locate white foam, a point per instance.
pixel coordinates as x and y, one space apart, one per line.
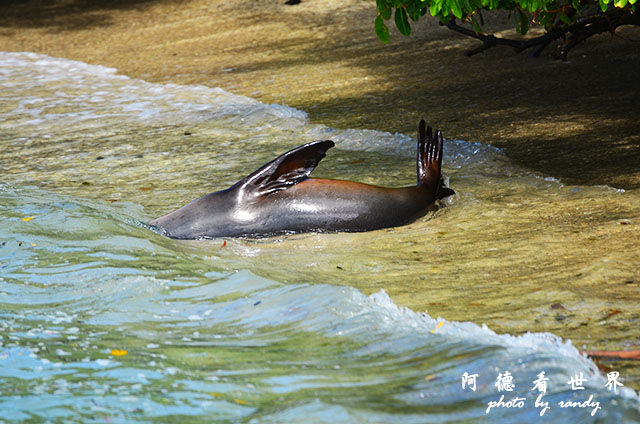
94 95
93 90
395 318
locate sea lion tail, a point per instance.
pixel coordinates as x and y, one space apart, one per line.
430 161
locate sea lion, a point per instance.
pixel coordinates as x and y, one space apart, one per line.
281 198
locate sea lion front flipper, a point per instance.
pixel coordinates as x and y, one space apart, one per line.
286 170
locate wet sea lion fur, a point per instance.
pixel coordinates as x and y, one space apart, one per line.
280 197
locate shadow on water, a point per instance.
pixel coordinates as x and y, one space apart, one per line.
581 129
573 120
69 15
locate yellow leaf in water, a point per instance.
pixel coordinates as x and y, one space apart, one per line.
118 352
28 218
240 401
215 394
440 324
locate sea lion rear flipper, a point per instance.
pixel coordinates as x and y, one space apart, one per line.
286 170
430 161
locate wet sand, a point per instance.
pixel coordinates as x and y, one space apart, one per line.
573 120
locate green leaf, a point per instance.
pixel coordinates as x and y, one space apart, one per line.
381 30
546 19
402 22
604 6
524 23
435 8
476 25
535 6
384 8
413 10
564 18
455 8
620 3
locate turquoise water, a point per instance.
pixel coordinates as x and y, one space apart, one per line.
103 320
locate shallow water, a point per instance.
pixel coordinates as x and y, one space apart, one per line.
294 328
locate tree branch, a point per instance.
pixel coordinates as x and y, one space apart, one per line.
488 41
578 32
597 24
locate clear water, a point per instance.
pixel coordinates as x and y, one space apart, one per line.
298 328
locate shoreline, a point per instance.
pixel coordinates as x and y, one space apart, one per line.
570 120
314 58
